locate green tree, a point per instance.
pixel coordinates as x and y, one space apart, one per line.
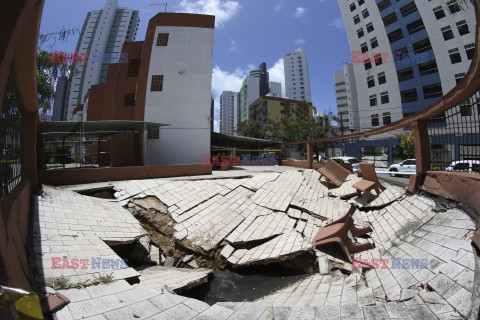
47 74
407 144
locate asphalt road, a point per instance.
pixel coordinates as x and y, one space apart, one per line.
398 179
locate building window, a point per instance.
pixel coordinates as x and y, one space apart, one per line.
373 100
401 53
428 67
352 7
365 13
391 18
370 82
378 59
360 33
368 64
153 133
360 2
462 27
422 46
466 108
409 95
133 67
157 83
387 119
470 50
454 56
459 77
405 74
374 43
162 40
129 99
356 19
447 33
370 27
439 13
364 47
395 35
453 6
384 97
384 4
381 78
415 26
432 91
375 122
408 9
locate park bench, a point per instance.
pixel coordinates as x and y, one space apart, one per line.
369 181
343 232
334 172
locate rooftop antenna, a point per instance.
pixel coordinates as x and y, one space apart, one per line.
160 4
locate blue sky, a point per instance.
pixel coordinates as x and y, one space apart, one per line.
247 32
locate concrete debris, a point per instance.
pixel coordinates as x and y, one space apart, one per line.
169 262
193 264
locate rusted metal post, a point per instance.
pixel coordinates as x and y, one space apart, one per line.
309 155
422 153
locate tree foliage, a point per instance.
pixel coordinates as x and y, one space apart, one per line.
297 127
47 74
407 144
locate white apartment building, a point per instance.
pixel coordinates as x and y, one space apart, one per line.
406 54
297 77
347 99
229 112
102 36
275 89
178 88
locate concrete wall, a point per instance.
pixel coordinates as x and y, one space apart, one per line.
185 101
18 45
90 175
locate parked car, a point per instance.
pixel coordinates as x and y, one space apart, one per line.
465 166
407 166
322 159
348 160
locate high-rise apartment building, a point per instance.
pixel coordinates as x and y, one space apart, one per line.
275 89
59 103
406 54
347 99
102 36
297 77
228 112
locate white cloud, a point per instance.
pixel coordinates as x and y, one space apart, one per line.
277 74
300 42
278 6
299 12
216 126
337 23
233 44
222 10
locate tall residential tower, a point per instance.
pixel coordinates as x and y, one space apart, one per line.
228 112
102 36
297 77
406 54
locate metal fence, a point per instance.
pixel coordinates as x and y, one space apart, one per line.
10 138
455 137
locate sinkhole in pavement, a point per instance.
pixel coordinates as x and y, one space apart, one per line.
247 285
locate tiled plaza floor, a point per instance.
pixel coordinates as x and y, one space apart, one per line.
259 215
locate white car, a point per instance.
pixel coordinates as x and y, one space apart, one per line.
352 160
406 166
464 166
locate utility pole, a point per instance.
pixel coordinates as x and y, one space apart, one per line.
160 4
341 122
